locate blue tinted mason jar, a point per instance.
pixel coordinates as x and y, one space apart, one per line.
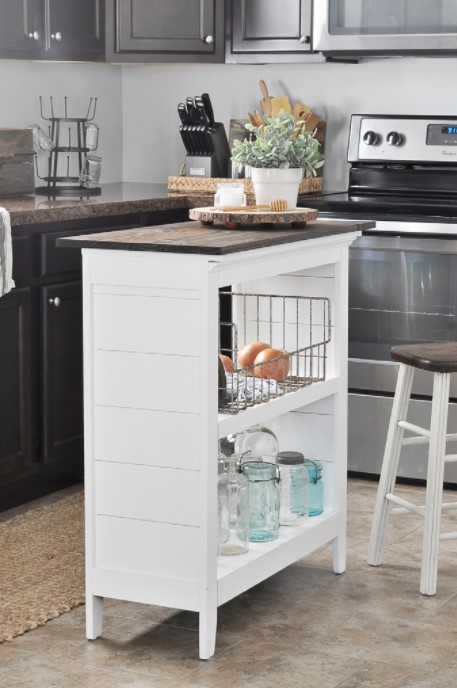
293 488
263 500
316 487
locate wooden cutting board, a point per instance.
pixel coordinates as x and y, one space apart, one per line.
238 219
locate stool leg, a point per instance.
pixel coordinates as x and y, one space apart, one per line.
389 464
435 477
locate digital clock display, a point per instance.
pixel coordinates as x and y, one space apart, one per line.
449 130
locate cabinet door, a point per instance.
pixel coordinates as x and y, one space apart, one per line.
168 31
21 29
269 26
74 30
16 434
62 402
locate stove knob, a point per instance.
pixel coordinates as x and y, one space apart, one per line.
371 138
393 138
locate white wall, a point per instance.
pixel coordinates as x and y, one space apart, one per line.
139 138
24 81
152 145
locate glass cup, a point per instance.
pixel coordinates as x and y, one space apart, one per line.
91 131
42 143
90 173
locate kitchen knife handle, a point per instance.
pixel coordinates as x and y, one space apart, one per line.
208 107
191 110
182 112
201 111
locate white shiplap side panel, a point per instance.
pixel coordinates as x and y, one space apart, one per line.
136 323
147 381
158 549
149 493
141 436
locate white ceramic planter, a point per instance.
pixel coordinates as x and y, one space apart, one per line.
272 184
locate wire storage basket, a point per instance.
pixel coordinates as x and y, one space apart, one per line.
295 330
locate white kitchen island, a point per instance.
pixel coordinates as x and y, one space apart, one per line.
151 311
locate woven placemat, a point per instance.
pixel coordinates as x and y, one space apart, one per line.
42 569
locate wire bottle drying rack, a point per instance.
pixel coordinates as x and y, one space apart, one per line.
299 327
69 135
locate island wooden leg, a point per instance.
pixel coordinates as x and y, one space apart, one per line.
94 616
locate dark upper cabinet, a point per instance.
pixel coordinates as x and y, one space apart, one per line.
75 30
154 30
269 31
52 29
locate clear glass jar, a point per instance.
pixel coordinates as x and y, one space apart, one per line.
90 173
229 194
316 487
91 131
233 505
293 488
258 441
263 500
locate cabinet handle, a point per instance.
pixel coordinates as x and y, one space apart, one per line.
35 35
209 39
55 302
57 36
305 39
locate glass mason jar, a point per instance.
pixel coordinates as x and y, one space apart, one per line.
263 500
293 488
229 194
258 441
233 505
316 487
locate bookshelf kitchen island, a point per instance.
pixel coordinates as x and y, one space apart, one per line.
152 422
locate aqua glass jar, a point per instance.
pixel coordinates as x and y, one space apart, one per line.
293 488
316 487
264 500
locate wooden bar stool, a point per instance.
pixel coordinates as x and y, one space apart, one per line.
441 360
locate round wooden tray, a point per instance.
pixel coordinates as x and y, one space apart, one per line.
234 219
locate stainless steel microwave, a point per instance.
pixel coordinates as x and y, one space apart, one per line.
384 27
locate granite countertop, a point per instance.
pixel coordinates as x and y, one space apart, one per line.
192 237
116 199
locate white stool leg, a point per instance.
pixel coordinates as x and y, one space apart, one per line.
435 477
390 464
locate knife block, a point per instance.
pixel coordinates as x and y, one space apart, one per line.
216 164
203 166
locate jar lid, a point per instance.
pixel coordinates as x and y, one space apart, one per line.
259 470
290 458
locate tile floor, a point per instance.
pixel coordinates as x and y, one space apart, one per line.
305 626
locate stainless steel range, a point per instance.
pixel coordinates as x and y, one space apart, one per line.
402 274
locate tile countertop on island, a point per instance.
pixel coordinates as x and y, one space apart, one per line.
120 198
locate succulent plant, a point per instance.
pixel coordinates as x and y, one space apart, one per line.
280 143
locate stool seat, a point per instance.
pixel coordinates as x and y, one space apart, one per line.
436 357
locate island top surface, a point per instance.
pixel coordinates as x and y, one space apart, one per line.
192 237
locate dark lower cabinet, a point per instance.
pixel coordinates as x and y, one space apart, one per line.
62 371
41 364
16 404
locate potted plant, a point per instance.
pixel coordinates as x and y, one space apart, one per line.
280 152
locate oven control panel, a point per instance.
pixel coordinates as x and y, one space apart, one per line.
384 138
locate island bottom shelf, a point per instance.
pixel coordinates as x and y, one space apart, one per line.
236 574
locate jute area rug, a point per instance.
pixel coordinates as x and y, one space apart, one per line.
41 565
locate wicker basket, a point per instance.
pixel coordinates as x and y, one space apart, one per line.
208 185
